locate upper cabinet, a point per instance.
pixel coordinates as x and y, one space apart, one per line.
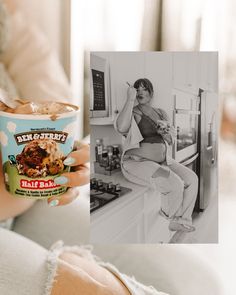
125 68
208 71
185 71
158 69
194 70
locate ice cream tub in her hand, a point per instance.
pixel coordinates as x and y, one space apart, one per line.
35 140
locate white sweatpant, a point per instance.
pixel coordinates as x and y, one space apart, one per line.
178 189
27 268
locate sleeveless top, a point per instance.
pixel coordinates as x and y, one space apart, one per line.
148 130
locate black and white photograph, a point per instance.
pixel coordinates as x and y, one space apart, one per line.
154 147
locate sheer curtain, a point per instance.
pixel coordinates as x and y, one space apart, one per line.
101 25
128 25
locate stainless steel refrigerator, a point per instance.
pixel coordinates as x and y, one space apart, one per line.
208 147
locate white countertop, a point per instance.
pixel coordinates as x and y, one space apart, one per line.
119 202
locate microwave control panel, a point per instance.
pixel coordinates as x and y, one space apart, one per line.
99 103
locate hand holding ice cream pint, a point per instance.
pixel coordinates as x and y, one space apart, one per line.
35 140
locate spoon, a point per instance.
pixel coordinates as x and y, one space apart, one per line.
7 100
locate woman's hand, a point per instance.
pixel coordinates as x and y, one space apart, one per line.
78 176
163 127
11 5
11 206
131 93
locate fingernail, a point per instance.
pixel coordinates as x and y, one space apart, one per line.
61 180
69 161
53 203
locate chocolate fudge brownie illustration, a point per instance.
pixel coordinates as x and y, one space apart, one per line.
40 158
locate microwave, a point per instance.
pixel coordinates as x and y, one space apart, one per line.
99 87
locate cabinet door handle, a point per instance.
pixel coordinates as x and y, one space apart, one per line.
116 112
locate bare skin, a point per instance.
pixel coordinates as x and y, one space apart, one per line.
11 5
77 275
9 205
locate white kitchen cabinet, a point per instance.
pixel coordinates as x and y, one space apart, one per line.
125 67
156 227
158 68
132 233
194 70
185 71
119 222
134 221
130 66
208 71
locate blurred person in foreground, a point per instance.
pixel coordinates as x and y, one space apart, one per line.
30 69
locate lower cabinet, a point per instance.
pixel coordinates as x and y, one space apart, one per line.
134 221
133 233
156 227
122 222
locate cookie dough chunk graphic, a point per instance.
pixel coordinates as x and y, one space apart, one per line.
40 158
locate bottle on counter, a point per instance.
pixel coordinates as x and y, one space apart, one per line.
98 150
104 162
110 157
110 149
116 156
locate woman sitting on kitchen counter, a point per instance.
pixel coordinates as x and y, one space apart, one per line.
148 137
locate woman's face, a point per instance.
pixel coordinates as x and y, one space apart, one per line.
143 95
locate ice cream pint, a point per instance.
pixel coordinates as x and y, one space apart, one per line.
33 148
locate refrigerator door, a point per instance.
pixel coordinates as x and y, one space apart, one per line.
208 148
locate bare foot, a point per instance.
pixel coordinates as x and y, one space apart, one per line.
175 226
178 237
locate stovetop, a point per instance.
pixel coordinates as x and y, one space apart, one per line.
102 193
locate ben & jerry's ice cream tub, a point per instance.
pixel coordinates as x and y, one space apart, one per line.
35 139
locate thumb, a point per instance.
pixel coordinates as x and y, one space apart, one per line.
64 199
